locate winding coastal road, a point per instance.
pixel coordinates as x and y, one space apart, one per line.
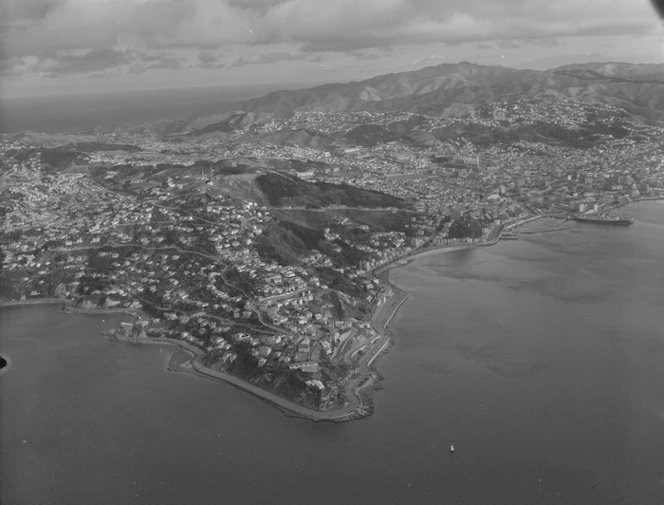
362 376
354 407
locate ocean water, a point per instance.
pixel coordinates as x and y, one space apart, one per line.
57 114
541 360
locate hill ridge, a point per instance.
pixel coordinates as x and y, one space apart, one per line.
437 88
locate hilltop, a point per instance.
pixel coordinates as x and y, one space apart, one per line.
454 89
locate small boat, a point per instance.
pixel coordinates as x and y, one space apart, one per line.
451 448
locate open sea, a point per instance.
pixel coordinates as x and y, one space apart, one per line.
57 114
541 360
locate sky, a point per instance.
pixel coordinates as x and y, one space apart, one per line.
51 47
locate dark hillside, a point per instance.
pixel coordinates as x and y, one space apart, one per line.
466 227
59 157
369 135
222 126
540 131
280 245
91 147
284 190
286 242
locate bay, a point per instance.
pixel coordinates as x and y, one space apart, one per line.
540 360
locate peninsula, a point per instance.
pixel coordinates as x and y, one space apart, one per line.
259 242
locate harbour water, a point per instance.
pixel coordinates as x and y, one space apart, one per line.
539 359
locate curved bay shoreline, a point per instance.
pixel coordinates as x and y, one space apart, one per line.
359 402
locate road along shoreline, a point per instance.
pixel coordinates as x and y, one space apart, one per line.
359 402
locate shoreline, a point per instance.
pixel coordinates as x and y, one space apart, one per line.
67 306
433 250
637 200
33 301
359 402
355 408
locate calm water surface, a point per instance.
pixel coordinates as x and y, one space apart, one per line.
541 360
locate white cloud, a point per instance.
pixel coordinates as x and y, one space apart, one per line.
33 26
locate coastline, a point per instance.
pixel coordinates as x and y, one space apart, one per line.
359 401
68 307
637 200
431 251
359 404
33 301
354 409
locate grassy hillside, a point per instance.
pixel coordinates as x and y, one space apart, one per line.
286 191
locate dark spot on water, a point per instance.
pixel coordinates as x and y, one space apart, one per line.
3 363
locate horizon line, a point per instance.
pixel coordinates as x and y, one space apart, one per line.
288 85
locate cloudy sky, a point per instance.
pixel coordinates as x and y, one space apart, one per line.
87 46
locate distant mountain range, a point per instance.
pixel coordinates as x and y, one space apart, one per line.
454 89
